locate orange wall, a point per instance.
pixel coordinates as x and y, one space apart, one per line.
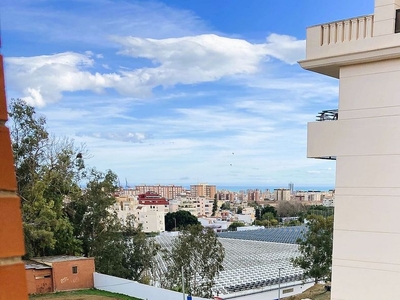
36 283
12 269
64 279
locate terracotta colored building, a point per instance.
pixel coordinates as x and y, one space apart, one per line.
59 273
12 273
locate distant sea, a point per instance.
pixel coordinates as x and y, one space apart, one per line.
237 188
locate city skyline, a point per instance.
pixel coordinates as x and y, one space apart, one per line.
177 92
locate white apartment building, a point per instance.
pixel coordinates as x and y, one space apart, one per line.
206 206
197 206
151 220
328 202
150 216
364 54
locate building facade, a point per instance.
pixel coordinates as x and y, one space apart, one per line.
151 220
203 190
59 273
12 273
364 54
281 194
253 195
167 191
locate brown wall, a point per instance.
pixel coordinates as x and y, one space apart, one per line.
64 279
39 281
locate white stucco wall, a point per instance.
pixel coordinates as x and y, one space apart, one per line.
146 292
135 289
366 143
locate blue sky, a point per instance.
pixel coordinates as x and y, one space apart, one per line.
177 91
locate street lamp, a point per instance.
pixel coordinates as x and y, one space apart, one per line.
183 285
279 283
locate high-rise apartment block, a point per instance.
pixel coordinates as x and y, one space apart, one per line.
291 187
253 195
203 190
281 194
363 136
167 191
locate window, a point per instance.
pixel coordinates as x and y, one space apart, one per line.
287 291
397 24
75 270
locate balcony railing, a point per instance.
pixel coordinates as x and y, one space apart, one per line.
347 30
328 115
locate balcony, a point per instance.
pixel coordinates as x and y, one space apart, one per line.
322 135
352 41
328 115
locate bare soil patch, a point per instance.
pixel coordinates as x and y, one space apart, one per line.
316 292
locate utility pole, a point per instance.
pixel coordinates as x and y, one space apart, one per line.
183 285
279 284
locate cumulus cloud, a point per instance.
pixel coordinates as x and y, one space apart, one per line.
42 79
286 48
206 57
186 60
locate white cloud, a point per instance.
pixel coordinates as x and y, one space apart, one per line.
206 57
130 137
286 48
42 79
188 60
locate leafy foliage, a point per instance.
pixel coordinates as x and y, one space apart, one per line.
200 254
179 220
59 217
139 253
46 172
215 206
290 208
261 211
226 206
234 225
320 210
316 249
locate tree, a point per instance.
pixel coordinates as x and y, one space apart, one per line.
320 210
200 254
226 206
239 210
97 227
178 220
234 225
316 249
139 253
266 223
46 170
59 217
119 250
289 208
215 206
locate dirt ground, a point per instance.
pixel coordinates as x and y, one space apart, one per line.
316 292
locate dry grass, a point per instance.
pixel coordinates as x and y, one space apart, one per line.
76 297
316 292
82 295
